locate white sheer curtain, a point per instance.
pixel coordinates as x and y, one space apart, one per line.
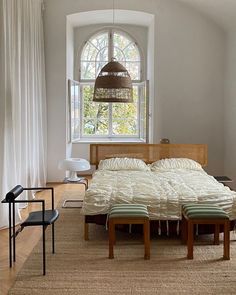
23 101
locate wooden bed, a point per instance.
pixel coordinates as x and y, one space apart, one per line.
148 153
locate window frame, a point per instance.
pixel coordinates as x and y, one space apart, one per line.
137 82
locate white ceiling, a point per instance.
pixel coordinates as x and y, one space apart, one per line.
221 11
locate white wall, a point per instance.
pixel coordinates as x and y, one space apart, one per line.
230 109
55 57
155 115
190 80
187 71
69 75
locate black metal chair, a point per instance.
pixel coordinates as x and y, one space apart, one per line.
42 218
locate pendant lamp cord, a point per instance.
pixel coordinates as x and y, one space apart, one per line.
113 23
113 13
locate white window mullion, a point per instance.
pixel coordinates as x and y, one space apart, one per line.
110 126
74 110
81 110
144 111
139 112
110 56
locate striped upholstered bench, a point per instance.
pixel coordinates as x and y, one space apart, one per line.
204 214
129 214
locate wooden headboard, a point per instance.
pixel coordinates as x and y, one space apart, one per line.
148 152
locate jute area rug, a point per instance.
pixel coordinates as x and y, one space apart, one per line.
82 267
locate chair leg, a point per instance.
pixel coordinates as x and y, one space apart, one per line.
216 234
190 240
14 232
146 233
10 241
226 241
10 248
53 239
111 230
44 251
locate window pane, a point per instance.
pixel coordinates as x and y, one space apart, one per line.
134 69
124 118
87 70
95 127
127 53
124 127
135 94
119 55
124 110
74 110
102 55
89 52
100 41
94 56
75 129
90 70
89 127
131 53
120 40
99 66
95 115
143 111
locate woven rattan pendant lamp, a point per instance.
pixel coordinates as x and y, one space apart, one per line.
113 83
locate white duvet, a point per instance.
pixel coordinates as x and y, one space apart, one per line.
162 191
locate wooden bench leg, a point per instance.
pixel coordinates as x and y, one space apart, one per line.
216 234
226 241
190 240
86 229
146 233
183 230
111 231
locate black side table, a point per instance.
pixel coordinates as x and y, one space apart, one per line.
83 181
223 179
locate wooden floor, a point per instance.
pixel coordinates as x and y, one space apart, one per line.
27 239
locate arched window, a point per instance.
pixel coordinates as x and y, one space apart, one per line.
92 121
100 48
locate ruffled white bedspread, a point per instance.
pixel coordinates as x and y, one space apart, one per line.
162 191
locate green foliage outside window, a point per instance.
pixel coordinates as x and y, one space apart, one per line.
96 116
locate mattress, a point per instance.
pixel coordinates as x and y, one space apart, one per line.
163 191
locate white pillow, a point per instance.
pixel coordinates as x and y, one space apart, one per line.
123 164
175 163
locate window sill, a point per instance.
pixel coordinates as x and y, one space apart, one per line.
110 140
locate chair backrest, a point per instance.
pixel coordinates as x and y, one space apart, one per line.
14 193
